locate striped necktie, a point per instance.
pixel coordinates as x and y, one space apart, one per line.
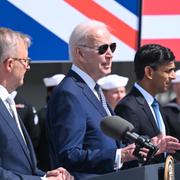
102 98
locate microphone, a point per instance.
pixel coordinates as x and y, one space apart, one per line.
119 129
116 127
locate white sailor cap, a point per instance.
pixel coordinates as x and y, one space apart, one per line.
113 81
177 80
53 80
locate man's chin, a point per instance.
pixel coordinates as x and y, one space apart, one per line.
166 88
21 83
107 71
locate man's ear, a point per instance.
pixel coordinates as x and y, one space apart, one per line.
79 52
8 63
148 72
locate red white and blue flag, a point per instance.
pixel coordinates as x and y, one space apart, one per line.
161 24
50 23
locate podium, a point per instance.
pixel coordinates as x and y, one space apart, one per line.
148 172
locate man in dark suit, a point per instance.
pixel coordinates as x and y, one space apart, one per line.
75 111
154 69
17 157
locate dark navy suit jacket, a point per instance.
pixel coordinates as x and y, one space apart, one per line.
17 160
76 140
136 110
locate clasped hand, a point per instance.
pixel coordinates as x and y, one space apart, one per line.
59 174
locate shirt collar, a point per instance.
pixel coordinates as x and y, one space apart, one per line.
88 80
149 98
3 93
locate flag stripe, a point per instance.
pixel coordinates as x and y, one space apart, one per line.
160 7
118 28
120 12
160 23
173 44
161 26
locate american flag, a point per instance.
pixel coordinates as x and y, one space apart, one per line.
161 23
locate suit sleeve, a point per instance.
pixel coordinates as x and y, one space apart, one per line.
68 124
129 114
140 116
9 175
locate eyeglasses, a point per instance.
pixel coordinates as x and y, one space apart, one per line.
26 61
103 48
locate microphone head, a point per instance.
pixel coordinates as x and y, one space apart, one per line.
116 127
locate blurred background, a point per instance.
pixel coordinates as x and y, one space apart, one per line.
50 22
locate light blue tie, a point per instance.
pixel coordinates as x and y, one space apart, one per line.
159 120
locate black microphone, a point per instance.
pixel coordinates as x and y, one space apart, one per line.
119 129
116 127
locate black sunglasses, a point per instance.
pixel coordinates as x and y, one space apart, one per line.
103 48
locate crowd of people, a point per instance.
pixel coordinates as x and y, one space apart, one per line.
64 138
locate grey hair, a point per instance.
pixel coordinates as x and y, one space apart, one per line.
9 40
82 32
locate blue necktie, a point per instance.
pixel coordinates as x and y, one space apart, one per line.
159 120
102 98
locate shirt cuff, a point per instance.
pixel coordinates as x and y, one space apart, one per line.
118 164
44 177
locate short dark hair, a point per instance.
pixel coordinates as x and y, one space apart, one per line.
153 55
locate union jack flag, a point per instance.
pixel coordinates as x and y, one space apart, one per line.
50 23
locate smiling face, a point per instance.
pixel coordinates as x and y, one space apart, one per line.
90 60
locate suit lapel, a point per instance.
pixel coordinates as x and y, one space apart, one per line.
145 107
87 92
29 143
13 126
93 99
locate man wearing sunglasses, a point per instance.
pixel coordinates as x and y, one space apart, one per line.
75 111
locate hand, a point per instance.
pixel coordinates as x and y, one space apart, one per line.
166 143
59 174
65 174
127 153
